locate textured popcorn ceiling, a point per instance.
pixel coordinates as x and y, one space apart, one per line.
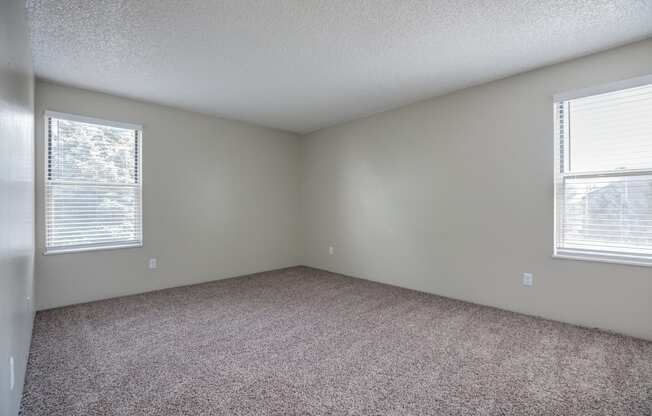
305 64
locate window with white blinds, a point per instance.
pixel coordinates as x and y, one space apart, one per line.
92 184
603 174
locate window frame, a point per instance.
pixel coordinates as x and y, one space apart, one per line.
47 114
626 258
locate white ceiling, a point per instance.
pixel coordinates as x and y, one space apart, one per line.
301 65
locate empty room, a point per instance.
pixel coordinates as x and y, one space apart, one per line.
325 207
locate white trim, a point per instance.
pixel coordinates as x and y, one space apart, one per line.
81 249
91 120
556 231
607 173
96 184
140 186
603 257
617 260
604 88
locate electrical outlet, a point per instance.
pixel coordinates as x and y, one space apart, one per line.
152 263
331 250
12 374
528 279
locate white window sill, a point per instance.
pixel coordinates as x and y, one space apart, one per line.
628 261
91 248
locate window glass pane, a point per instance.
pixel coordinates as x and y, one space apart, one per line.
93 188
611 131
608 213
88 214
92 153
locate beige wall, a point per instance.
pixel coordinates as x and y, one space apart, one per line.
454 196
220 199
16 201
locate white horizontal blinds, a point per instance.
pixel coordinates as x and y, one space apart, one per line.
93 188
604 174
609 214
611 131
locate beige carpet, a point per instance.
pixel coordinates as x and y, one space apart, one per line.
301 341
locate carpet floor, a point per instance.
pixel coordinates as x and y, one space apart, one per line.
301 341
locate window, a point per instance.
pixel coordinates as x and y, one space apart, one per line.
92 184
603 173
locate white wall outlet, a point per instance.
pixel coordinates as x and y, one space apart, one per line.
528 279
152 263
331 250
12 374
